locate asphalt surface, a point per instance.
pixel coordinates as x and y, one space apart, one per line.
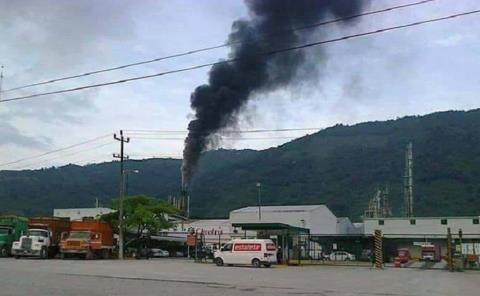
182 277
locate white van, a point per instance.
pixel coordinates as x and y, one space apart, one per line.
254 252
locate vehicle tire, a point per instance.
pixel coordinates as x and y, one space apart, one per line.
347 259
63 256
43 253
17 257
268 265
256 263
106 254
219 261
3 252
90 255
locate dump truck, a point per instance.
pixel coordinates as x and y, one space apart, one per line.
87 239
11 228
42 239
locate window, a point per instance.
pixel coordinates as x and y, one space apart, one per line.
444 221
475 221
413 221
227 248
381 222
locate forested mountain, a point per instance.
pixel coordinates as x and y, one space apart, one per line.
341 166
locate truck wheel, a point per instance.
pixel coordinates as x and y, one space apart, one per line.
3 252
43 253
106 254
17 257
219 261
256 263
63 256
90 255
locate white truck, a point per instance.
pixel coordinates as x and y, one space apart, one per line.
255 252
42 238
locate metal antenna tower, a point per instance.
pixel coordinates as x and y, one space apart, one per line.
408 189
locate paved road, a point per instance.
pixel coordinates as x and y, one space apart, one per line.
181 277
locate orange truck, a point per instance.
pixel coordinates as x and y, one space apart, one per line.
88 239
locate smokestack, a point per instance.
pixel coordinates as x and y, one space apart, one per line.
218 103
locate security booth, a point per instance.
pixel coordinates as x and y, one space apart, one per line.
287 238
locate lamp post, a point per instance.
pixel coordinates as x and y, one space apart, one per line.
259 196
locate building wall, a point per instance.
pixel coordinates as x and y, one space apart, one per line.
423 227
79 214
318 219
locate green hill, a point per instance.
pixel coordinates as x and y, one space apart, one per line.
340 166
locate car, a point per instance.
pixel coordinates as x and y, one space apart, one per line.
159 253
341 256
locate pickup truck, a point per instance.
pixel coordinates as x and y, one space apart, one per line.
42 237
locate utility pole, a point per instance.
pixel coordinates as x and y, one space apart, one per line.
122 157
408 189
259 196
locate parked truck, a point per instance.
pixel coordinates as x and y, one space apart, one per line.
42 238
431 253
88 239
11 228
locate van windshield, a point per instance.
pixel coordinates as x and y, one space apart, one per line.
227 248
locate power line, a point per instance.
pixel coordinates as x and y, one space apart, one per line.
54 151
273 52
145 131
223 138
311 26
70 154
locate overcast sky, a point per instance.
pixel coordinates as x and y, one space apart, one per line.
414 71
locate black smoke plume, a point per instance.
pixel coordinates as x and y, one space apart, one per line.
230 85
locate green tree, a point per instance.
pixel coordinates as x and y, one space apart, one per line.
142 215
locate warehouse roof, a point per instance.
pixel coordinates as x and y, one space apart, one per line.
283 209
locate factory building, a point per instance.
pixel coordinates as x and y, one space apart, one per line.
414 232
314 219
423 227
80 213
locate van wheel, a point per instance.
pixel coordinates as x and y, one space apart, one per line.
256 263
267 265
219 261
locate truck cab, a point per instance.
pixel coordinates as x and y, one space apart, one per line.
11 228
42 238
35 243
87 239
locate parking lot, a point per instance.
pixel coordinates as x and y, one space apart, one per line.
182 277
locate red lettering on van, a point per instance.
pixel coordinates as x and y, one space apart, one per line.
247 247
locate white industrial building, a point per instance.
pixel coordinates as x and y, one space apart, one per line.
316 219
80 213
421 227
